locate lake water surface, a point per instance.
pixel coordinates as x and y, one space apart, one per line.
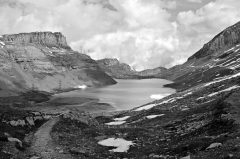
126 94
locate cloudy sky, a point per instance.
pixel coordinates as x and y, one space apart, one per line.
142 33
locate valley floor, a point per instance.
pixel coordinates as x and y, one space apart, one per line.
199 122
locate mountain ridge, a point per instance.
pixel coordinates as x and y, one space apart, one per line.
44 61
119 70
223 40
201 120
49 39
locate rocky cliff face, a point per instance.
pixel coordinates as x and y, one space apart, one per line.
44 61
120 70
224 40
48 39
156 72
219 57
116 69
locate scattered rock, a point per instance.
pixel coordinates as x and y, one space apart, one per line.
98 138
77 151
35 157
230 155
214 145
186 157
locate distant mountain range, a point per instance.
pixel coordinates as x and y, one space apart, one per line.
218 57
118 70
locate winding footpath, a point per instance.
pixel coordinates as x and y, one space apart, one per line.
43 145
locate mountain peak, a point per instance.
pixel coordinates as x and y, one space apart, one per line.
224 40
109 61
49 39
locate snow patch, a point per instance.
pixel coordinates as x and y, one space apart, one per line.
170 100
225 90
222 79
230 63
122 118
121 145
237 50
81 87
2 44
200 98
187 94
235 66
116 123
154 116
146 107
159 96
185 109
229 50
214 145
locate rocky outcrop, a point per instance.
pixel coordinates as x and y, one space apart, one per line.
156 72
29 120
48 39
219 57
120 70
224 40
44 61
116 69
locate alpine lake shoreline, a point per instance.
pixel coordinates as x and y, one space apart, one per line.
40 107
201 120
176 134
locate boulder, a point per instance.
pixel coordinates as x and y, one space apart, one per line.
214 145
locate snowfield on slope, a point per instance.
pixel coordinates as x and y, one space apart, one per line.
122 118
121 145
159 96
154 116
116 123
225 90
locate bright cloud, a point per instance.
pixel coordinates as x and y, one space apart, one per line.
195 1
143 33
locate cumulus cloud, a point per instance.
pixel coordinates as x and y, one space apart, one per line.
200 26
195 1
143 33
147 35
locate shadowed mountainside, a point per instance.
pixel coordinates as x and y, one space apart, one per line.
44 61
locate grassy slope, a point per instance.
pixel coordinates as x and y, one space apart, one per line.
176 134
